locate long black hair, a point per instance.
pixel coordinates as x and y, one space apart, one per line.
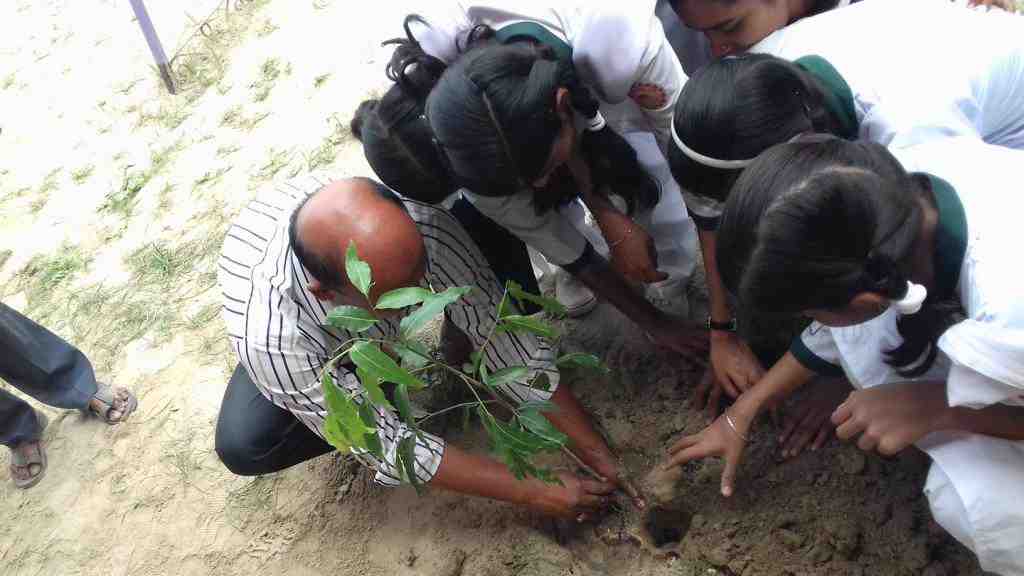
809 225
736 108
397 139
493 112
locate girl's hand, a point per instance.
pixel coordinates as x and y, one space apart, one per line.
576 498
718 439
809 422
889 418
735 366
632 250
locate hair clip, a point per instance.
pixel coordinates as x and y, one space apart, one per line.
596 123
716 162
912 301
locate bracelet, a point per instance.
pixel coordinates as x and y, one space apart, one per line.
623 239
728 420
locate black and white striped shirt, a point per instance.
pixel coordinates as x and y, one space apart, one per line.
278 329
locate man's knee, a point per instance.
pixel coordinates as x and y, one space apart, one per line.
235 450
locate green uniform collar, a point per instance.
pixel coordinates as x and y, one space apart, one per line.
536 33
950 237
838 96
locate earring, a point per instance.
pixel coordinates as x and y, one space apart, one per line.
912 301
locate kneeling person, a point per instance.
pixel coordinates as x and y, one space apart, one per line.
282 271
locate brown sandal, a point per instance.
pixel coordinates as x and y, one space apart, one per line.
107 396
21 464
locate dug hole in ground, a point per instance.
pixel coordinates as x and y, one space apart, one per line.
114 198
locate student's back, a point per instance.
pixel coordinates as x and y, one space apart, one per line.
920 68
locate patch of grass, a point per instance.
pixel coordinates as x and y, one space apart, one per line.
227 150
4 256
45 274
236 118
82 174
48 186
327 151
171 114
161 263
201 62
123 201
269 73
211 176
8 81
320 80
277 160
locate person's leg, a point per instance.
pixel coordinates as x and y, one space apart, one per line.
42 365
256 437
506 254
18 421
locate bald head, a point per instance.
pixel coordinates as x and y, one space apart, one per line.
360 211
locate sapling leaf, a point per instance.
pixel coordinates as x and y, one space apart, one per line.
505 306
351 318
358 271
332 425
431 308
550 305
579 359
404 406
402 297
535 422
343 413
373 390
412 354
518 323
369 418
540 406
407 460
369 357
506 376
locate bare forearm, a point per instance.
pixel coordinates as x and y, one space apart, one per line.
478 475
573 421
998 420
718 302
784 378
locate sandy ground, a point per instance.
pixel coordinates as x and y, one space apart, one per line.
113 199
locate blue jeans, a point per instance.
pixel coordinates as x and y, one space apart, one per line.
42 365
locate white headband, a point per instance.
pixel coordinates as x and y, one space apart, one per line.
715 162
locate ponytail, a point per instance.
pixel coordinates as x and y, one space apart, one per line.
494 114
810 225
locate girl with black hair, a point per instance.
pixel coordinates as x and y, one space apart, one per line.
907 86
914 285
399 145
506 116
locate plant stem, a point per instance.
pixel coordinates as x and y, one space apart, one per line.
450 408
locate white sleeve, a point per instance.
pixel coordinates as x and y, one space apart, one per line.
550 233
987 364
445 30
816 349
622 51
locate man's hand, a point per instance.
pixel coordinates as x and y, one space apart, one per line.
891 417
718 439
576 498
735 366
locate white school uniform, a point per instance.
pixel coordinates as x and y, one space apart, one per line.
920 69
975 482
620 52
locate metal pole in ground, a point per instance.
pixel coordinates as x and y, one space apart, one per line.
155 47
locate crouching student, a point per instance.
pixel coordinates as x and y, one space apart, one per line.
902 88
883 261
282 271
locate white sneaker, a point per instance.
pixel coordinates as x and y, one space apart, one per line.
574 295
669 296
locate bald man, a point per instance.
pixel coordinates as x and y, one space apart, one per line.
282 271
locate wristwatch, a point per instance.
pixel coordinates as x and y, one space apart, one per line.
729 326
